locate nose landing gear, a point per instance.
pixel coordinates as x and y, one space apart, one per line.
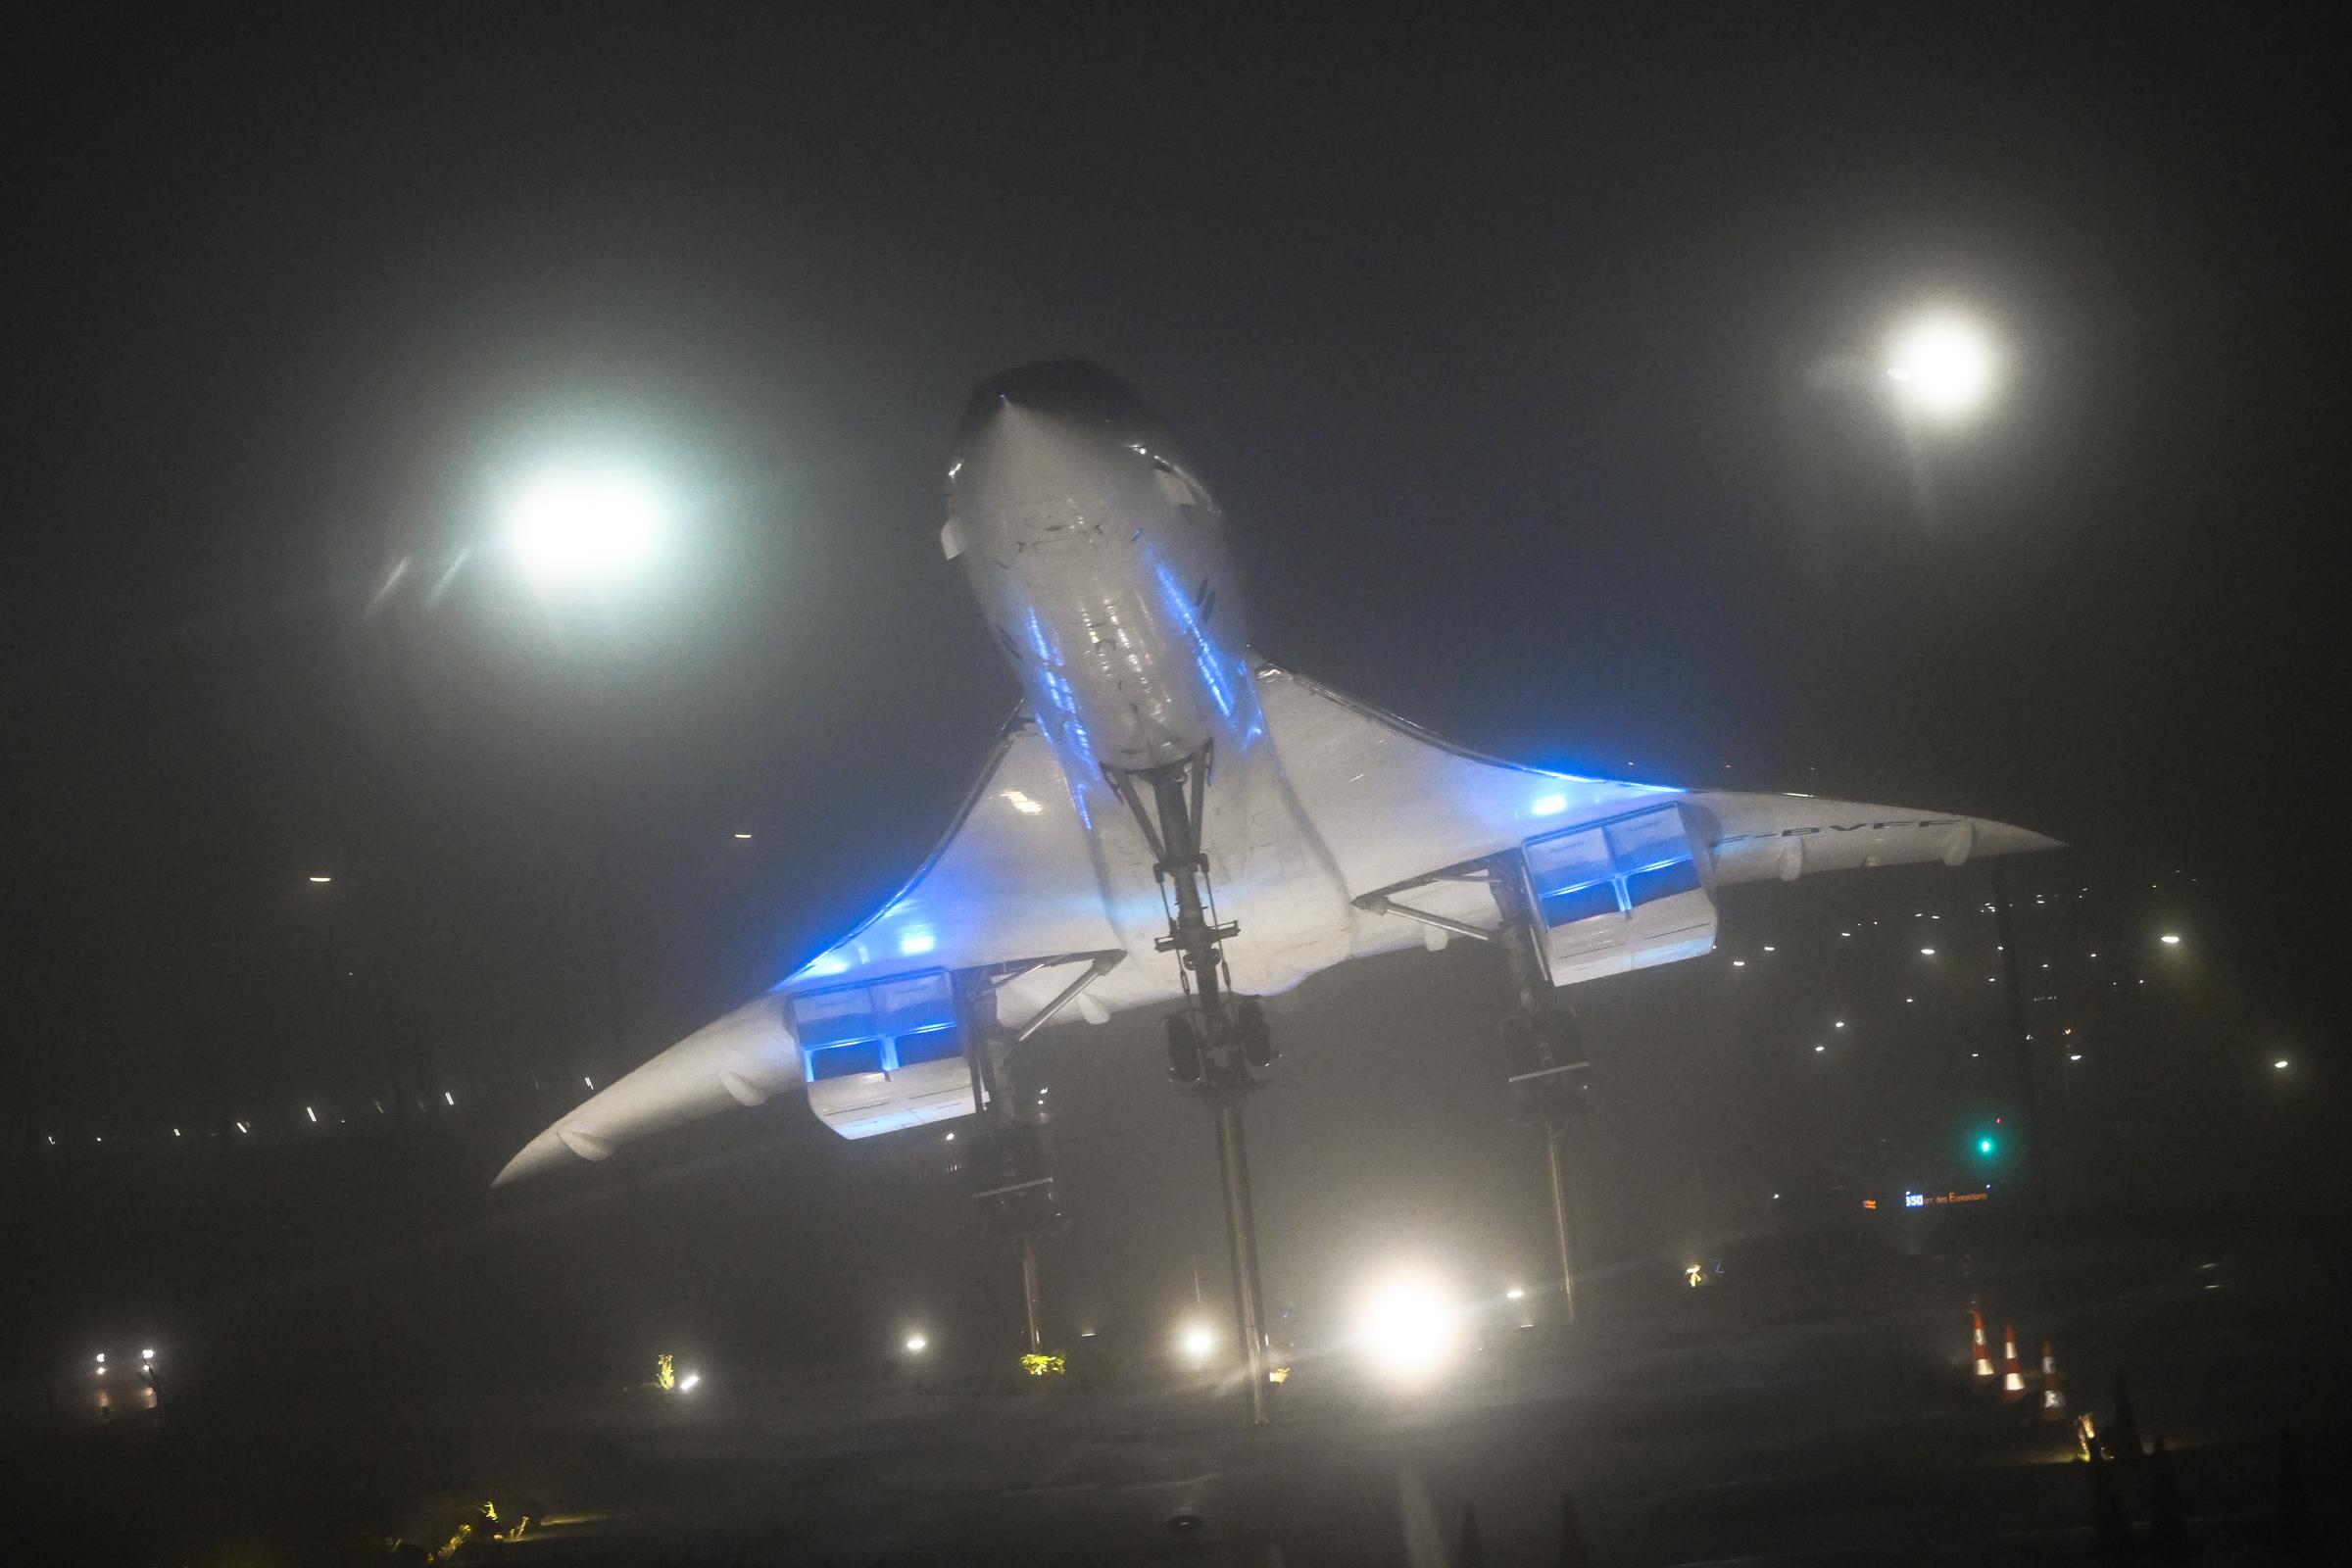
1219 1040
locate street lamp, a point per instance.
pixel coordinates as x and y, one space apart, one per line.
1943 366
572 528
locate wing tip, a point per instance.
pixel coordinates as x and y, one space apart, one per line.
541 1153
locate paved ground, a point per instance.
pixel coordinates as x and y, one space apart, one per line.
1820 1412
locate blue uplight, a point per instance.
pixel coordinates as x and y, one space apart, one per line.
915 943
1548 805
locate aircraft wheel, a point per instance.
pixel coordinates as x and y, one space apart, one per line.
1184 1048
1258 1039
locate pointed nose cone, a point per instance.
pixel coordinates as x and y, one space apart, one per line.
1074 391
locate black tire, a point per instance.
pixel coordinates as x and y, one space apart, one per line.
1257 1038
1184 1048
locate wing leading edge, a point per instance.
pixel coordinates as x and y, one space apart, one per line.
1624 874
1012 885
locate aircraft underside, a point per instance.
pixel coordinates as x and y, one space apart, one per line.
1169 820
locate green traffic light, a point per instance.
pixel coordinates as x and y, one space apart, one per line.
1985 1146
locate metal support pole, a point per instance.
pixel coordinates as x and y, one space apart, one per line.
1240 1243
1555 1148
1034 1294
1522 943
2028 1103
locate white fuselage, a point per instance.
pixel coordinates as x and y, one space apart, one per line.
1100 561
1100 564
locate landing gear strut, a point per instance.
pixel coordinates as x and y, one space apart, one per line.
1545 1052
1219 1038
1011 1170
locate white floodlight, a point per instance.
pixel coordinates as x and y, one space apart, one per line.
1943 366
569 528
1408 1329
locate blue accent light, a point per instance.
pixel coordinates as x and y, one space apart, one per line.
1047 653
1580 902
916 943
828 965
1610 867
1205 653
935 1044
1654 882
1548 805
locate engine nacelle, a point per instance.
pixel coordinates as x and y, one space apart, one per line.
1624 894
883 1054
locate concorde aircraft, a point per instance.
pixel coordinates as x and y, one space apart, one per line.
1169 818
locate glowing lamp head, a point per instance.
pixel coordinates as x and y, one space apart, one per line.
1196 1341
689 1381
581 528
2170 939
1943 366
916 1344
1408 1330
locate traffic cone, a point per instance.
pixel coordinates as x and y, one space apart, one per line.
2168 1515
1984 1358
2053 1386
2013 1376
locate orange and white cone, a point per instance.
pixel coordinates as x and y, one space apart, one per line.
2013 1376
2053 1386
1984 1356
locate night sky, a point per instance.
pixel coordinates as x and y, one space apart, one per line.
1517 357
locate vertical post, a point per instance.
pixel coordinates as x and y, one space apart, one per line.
1033 1294
2029 1111
1240 1242
1522 944
1555 1148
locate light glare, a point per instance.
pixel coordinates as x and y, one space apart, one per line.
572 528
1943 366
1407 1329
